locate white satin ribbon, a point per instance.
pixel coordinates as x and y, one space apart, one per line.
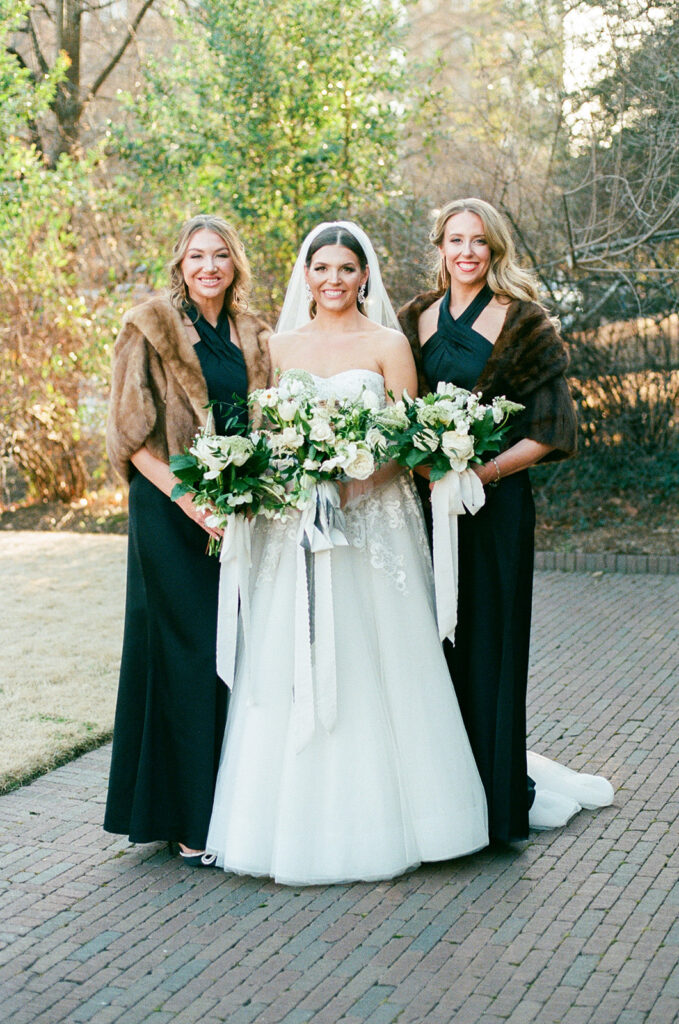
451 496
234 574
321 529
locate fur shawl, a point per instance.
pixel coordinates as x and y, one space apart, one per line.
527 365
158 392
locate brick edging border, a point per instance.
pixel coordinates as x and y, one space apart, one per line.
584 561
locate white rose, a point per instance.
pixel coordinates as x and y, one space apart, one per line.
361 464
311 464
445 388
458 448
320 430
426 440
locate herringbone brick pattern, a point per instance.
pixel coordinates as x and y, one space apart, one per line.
575 926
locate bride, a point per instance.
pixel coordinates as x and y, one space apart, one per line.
390 780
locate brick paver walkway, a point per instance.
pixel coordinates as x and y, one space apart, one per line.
575 926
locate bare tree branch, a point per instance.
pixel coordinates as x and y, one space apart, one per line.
42 63
103 75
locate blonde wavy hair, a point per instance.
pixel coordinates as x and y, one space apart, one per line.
505 276
236 297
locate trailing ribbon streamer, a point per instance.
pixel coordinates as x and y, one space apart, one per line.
321 529
234 574
451 496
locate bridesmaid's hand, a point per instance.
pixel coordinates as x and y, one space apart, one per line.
198 513
487 473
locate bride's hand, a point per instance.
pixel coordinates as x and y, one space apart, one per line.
351 490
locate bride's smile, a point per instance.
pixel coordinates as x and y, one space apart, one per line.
334 277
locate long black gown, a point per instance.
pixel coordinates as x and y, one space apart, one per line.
489 662
171 706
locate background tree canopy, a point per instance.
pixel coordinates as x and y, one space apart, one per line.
119 120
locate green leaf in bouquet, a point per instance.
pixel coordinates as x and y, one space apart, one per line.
179 490
415 457
180 462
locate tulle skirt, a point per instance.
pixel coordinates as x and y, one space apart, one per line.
393 782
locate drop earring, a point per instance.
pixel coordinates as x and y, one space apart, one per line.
361 295
307 289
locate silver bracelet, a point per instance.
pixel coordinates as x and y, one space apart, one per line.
496 481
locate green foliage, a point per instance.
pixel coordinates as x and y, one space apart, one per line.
50 349
277 115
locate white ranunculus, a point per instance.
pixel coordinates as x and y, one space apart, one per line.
446 411
208 455
320 430
360 463
427 415
236 449
426 440
458 448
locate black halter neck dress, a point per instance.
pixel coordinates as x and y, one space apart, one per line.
489 662
171 708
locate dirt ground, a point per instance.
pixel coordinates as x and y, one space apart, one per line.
61 610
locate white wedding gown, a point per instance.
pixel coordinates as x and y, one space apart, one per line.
393 782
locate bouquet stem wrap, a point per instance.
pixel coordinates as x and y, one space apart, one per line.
451 496
234 573
321 529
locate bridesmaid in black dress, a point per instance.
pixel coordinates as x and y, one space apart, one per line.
488 333
174 355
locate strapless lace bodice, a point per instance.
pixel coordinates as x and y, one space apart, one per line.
349 384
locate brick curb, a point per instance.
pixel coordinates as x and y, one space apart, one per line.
582 561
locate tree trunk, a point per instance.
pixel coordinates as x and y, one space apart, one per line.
67 102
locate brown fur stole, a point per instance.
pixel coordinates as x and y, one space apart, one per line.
158 392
